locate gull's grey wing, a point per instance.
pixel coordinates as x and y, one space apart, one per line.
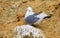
32 19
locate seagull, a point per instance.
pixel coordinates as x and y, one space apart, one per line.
31 17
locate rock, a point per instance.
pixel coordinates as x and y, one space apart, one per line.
28 31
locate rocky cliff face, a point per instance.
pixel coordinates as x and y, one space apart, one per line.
12 14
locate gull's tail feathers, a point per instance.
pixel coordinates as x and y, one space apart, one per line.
42 15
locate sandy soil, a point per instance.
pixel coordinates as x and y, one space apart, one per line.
12 14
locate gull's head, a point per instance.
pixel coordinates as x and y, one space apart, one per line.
29 8
29 12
